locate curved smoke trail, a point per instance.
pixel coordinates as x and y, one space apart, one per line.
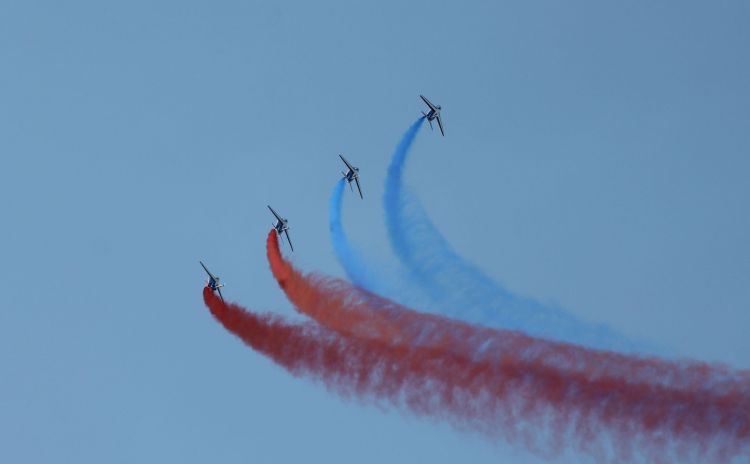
360 273
352 311
588 403
366 274
460 290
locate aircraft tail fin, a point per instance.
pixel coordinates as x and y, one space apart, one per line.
428 118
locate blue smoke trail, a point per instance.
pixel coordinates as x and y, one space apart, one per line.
367 273
457 288
358 272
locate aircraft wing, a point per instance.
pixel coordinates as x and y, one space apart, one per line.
288 239
440 123
356 179
207 271
432 107
275 213
218 289
346 162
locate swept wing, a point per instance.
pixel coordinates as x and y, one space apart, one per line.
356 179
213 277
428 103
288 239
351 168
275 214
440 124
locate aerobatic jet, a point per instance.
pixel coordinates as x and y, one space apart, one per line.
434 113
281 226
213 281
351 175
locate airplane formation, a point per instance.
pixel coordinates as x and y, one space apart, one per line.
351 175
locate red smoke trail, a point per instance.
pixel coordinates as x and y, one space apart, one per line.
426 381
578 391
352 311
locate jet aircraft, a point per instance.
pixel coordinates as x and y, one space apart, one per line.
434 113
351 175
213 281
281 226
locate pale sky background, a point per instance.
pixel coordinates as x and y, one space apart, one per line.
596 155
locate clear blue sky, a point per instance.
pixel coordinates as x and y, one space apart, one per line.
600 148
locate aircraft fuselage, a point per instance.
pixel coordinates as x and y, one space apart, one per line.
280 227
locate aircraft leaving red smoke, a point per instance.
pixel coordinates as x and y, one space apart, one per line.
692 405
